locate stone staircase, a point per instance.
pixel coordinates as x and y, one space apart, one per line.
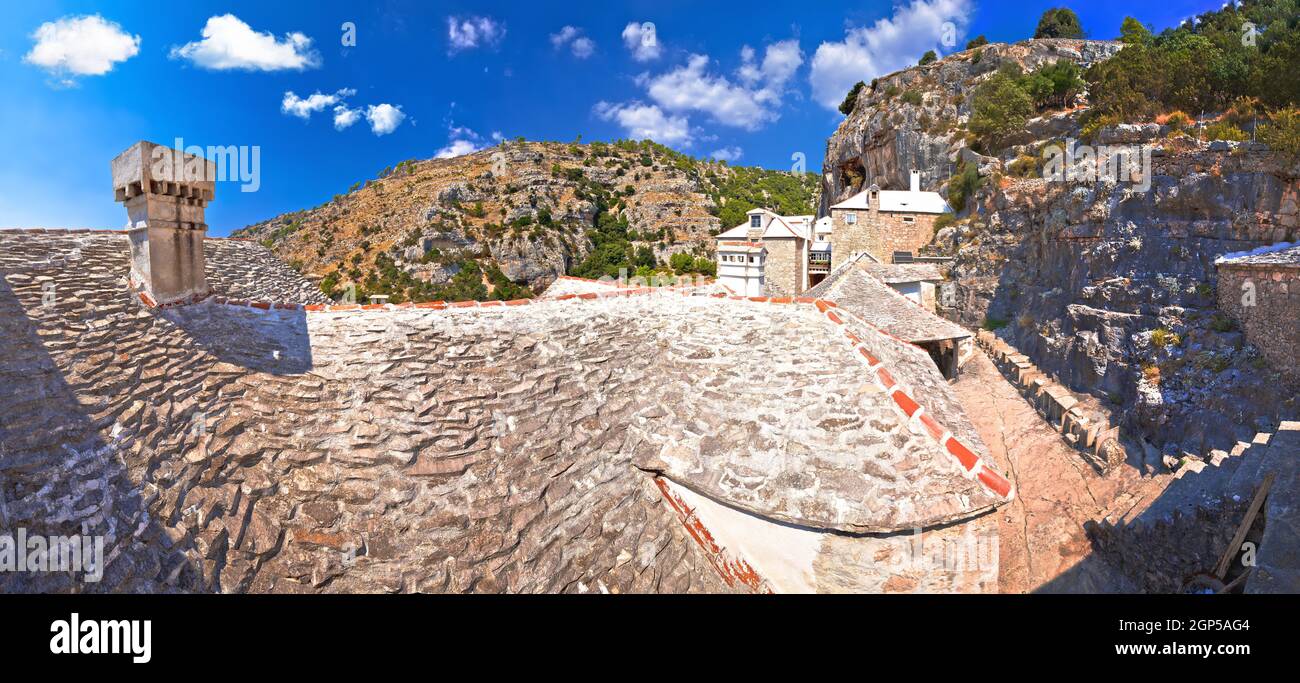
1091 433
1197 484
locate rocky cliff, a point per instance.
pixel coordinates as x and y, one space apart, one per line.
1112 288
524 207
915 118
1107 284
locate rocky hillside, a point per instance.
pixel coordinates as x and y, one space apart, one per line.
1107 285
917 118
520 214
1113 289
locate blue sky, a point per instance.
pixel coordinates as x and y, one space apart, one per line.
441 77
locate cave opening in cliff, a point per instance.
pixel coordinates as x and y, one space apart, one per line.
852 174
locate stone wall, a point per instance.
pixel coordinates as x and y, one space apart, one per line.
784 269
879 233
849 238
1265 301
892 233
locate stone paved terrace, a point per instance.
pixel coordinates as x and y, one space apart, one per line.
504 448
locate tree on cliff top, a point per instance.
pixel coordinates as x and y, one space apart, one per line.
1059 22
1132 32
851 99
1000 107
927 58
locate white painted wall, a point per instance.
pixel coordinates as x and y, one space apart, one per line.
745 279
911 290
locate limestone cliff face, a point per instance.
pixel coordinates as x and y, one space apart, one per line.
915 118
1112 288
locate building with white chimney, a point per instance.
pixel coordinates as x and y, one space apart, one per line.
778 255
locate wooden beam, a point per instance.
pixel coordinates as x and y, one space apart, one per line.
1256 505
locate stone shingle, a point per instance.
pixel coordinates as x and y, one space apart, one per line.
505 448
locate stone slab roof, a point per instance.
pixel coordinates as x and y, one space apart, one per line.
903 272
499 447
1282 255
904 201
886 308
243 269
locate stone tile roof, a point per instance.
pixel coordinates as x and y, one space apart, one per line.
904 201
888 309
1283 254
497 447
903 272
821 289
243 269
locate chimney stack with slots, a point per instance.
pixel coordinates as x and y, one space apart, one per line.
165 192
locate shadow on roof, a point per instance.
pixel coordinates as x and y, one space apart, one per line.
60 475
275 342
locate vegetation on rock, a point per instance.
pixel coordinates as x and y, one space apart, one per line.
1059 22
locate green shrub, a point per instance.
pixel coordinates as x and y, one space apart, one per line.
1060 22
1162 338
1000 107
1177 120
963 185
1095 124
1225 131
1222 323
1282 132
851 99
1024 166
991 323
912 97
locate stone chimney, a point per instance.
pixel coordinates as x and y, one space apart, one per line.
164 191
916 181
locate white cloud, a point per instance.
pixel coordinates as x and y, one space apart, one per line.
384 118
642 121
461 141
581 46
471 32
345 117
457 148
81 46
728 154
304 107
229 43
751 102
888 45
642 40
565 35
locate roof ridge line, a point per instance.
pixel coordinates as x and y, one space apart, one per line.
434 305
972 463
990 478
